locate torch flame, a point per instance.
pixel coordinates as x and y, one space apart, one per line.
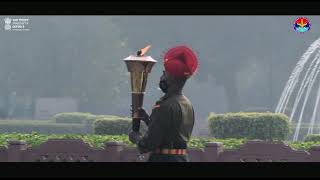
143 51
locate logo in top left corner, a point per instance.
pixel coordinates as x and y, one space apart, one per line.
7 22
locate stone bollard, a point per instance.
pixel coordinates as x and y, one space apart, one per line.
212 151
113 151
15 150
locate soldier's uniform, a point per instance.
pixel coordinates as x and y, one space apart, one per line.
169 129
171 121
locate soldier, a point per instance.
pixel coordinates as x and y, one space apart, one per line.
171 121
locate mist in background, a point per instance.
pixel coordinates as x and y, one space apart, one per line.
245 61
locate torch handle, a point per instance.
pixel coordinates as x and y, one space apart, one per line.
136 124
137 102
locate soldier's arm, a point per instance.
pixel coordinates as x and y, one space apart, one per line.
156 130
146 117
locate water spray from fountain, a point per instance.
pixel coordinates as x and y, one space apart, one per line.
296 94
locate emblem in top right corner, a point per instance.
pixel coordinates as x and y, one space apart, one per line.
302 25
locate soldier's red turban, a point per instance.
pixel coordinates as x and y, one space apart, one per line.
180 62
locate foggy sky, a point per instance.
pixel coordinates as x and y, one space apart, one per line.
267 45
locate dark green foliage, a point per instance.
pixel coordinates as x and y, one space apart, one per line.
250 125
74 117
98 141
303 133
304 145
71 123
312 137
44 127
111 127
114 125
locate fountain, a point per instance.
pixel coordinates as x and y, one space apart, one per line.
299 87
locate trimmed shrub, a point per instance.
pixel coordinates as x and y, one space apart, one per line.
312 137
74 117
114 125
34 139
249 125
43 127
303 132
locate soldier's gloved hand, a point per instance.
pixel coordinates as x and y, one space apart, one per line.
135 137
144 115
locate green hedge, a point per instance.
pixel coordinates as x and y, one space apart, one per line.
74 117
114 125
304 145
35 139
98 141
71 123
312 137
41 126
303 133
249 125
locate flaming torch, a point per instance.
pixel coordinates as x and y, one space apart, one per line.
139 67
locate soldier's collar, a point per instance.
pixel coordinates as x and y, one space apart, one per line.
170 94
164 97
